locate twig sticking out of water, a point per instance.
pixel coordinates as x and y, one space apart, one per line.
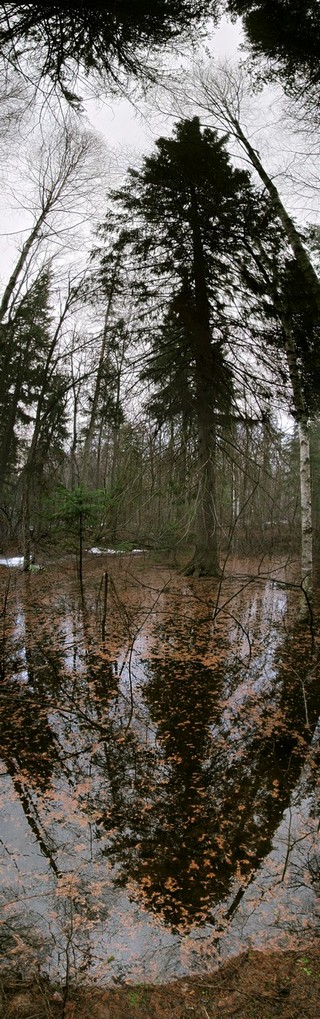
105 606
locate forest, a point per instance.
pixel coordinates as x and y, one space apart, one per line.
159 501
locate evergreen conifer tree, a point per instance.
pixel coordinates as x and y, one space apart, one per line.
190 212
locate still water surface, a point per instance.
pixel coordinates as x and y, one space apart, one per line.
158 768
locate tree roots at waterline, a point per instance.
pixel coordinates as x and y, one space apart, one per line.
202 565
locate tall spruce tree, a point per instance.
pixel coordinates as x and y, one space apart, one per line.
190 211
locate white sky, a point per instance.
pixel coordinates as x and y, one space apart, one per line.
122 123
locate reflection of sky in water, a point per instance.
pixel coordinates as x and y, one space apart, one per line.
107 921
111 925
256 671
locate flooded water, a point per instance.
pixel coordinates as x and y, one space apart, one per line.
158 767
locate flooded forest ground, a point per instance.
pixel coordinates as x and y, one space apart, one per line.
159 810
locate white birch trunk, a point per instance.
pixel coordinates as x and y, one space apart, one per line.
305 472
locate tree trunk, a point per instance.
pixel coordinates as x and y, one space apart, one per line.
293 236
25 251
315 487
302 418
102 358
113 481
305 469
303 261
205 559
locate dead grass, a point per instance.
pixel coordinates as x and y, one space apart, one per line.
257 985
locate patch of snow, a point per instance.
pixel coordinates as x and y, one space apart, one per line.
97 551
115 551
12 561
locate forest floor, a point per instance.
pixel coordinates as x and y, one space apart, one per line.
256 985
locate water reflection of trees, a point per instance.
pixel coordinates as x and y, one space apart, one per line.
27 742
29 747
185 807
55 702
198 814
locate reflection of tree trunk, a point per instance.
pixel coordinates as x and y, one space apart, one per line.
33 820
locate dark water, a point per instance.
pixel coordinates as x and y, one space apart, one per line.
159 761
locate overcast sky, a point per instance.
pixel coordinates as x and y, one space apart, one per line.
129 125
130 130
